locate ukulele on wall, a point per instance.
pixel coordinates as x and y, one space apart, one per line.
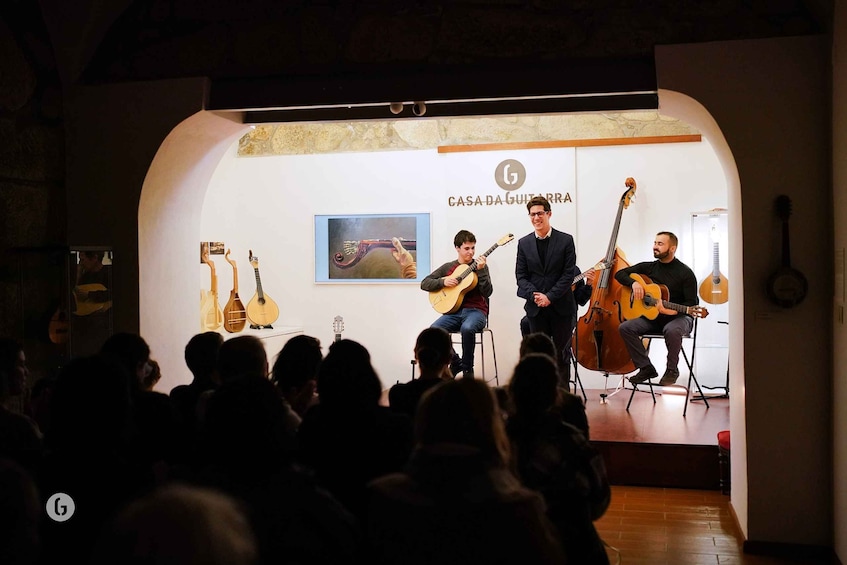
235 317
211 317
787 286
715 289
262 311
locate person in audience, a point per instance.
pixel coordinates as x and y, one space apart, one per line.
348 439
433 354
20 438
457 501
201 358
554 458
295 372
159 434
568 405
249 454
20 509
90 454
245 356
179 524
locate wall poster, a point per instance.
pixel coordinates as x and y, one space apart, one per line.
372 248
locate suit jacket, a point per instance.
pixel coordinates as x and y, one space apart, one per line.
553 279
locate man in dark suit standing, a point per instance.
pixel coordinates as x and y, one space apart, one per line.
545 269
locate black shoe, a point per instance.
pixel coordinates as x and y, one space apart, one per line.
456 365
670 377
644 374
467 374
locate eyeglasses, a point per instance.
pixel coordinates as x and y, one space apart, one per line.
537 214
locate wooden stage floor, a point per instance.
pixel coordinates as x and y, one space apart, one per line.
653 445
660 423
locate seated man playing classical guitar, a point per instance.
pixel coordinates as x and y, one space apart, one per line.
472 299
681 283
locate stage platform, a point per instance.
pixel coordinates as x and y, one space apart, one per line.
653 444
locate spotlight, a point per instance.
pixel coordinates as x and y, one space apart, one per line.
396 107
419 108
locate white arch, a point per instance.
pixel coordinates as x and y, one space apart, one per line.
690 111
168 216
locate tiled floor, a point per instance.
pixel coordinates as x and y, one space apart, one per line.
659 526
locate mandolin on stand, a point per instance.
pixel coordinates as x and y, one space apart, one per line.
262 311
235 315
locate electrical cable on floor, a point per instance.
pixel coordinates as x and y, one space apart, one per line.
616 550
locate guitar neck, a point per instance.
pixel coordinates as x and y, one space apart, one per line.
716 268
258 283
678 307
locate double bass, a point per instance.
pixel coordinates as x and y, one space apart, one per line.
598 345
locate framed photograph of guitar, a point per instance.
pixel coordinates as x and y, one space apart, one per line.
387 248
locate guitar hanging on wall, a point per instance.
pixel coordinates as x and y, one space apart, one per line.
787 286
715 289
262 311
648 307
211 317
449 299
234 313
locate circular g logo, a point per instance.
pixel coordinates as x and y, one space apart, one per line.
510 174
60 507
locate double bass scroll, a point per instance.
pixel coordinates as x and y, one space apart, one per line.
598 345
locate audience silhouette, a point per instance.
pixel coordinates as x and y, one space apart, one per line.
556 459
348 438
300 466
178 524
295 372
433 354
457 501
20 438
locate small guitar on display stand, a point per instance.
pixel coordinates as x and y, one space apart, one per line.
234 313
337 327
715 289
211 316
449 299
262 311
648 306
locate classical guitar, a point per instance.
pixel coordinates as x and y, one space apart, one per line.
211 317
648 306
449 299
601 266
235 316
337 327
262 311
715 289
787 286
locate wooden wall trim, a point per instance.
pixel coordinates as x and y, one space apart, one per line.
508 146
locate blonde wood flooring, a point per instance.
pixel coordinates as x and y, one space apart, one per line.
662 526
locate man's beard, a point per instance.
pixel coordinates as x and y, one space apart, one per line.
661 256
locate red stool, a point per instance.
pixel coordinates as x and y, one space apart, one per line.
724 461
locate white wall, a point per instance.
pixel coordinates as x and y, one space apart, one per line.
268 204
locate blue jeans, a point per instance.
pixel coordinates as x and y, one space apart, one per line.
467 321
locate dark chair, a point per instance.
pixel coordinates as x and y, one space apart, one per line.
688 356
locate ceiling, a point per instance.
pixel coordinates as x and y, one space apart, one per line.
343 51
